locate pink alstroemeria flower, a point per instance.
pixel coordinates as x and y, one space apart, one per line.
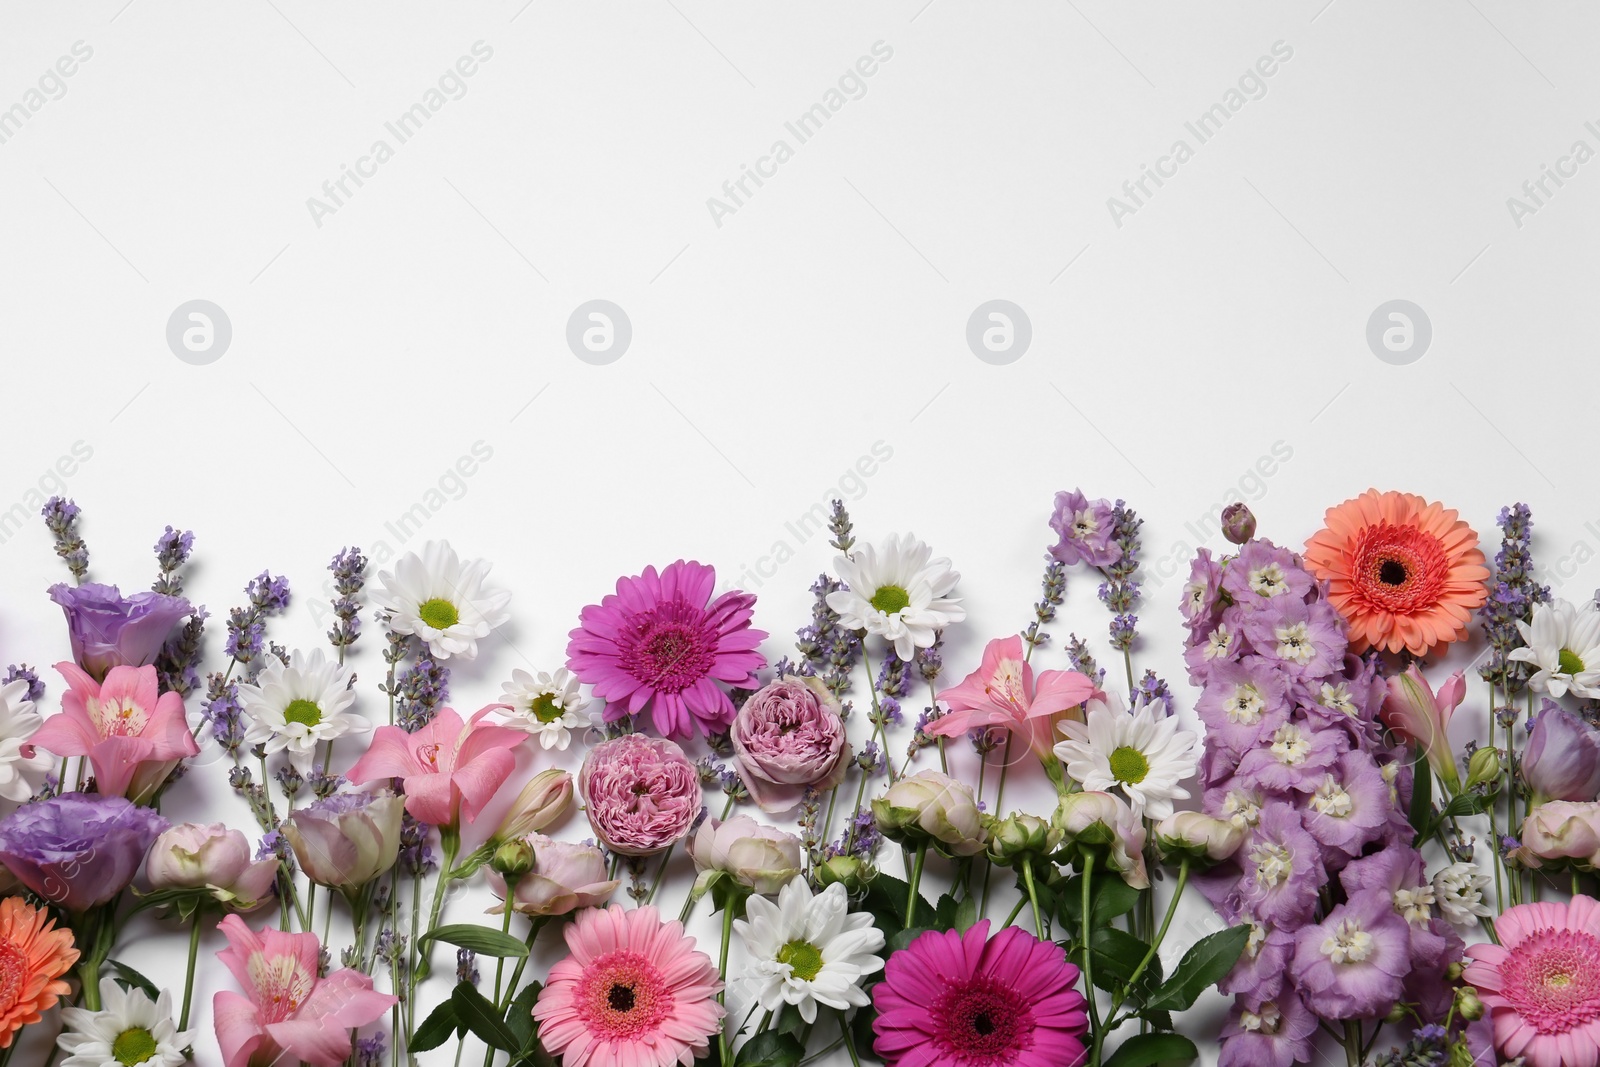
287 1014
451 768
1004 691
133 734
1421 717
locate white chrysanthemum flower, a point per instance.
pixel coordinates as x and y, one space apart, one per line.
129 1028
297 706
22 767
441 600
900 595
809 950
547 705
1458 890
1563 641
1143 754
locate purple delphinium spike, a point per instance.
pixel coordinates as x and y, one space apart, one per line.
61 518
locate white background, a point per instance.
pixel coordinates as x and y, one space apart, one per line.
1171 353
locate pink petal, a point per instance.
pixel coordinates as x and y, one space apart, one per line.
239 1030
389 755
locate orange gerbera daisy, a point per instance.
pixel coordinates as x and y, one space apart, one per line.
1404 573
33 957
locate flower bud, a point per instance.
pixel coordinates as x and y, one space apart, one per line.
1562 760
1106 825
1398 1014
1454 971
513 859
851 872
214 858
931 808
541 802
1484 766
1200 837
1238 524
563 878
1019 836
1468 1006
348 839
760 858
1560 832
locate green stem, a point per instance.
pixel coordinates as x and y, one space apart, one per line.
1172 909
1014 912
722 970
1086 906
999 798
536 923
450 844
915 881
849 1041
661 872
89 974
188 978
499 964
1033 898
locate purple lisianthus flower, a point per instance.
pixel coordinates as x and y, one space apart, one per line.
1295 756
78 850
1087 531
1267 1033
1562 761
1282 867
1202 595
1243 702
1305 640
1259 973
1263 573
1353 963
1350 807
109 630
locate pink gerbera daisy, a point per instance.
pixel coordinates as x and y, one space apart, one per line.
953 999
1542 982
661 641
634 993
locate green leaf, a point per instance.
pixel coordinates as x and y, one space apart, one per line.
789 1021
966 914
1463 804
886 900
126 976
479 1016
770 1048
519 1015
440 1025
1146 1050
1421 817
480 939
945 912
1158 1019
1210 958
1117 953
1111 898
902 938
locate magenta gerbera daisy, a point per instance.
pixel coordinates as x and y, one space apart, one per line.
660 641
1542 982
635 992
957 1000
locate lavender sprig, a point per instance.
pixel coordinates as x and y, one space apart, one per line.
1119 591
61 517
349 570
1510 601
172 552
1053 590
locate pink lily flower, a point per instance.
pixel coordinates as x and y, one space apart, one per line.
1004 691
452 769
133 734
1419 716
287 1014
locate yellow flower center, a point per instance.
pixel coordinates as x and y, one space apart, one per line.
1128 765
1568 662
304 712
890 599
439 614
133 1047
804 959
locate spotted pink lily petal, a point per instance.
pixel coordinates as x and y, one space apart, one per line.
132 733
1003 691
451 769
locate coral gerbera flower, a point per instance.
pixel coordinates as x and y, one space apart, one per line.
661 641
634 991
1404 573
33 957
953 1000
1541 983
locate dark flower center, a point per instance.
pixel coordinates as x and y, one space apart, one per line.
1392 572
671 648
983 1024
620 998
983 1019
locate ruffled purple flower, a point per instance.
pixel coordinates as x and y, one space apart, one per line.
1087 531
78 850
1294 756
1282 868
1262 574
1267 1033
1562 760
1306 640
1352 965
1243 702
109 630
1349 809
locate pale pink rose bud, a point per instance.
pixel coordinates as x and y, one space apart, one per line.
641 793
564 878
788 736
214 858
1105 823
760 858
1198 836
541 802
348 839
929 807
1561 831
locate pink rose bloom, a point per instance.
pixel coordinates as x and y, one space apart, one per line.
760 858
451 768
214 858
788 737
133 734
1561 831
288 1014
565 877
1004 691
641 793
